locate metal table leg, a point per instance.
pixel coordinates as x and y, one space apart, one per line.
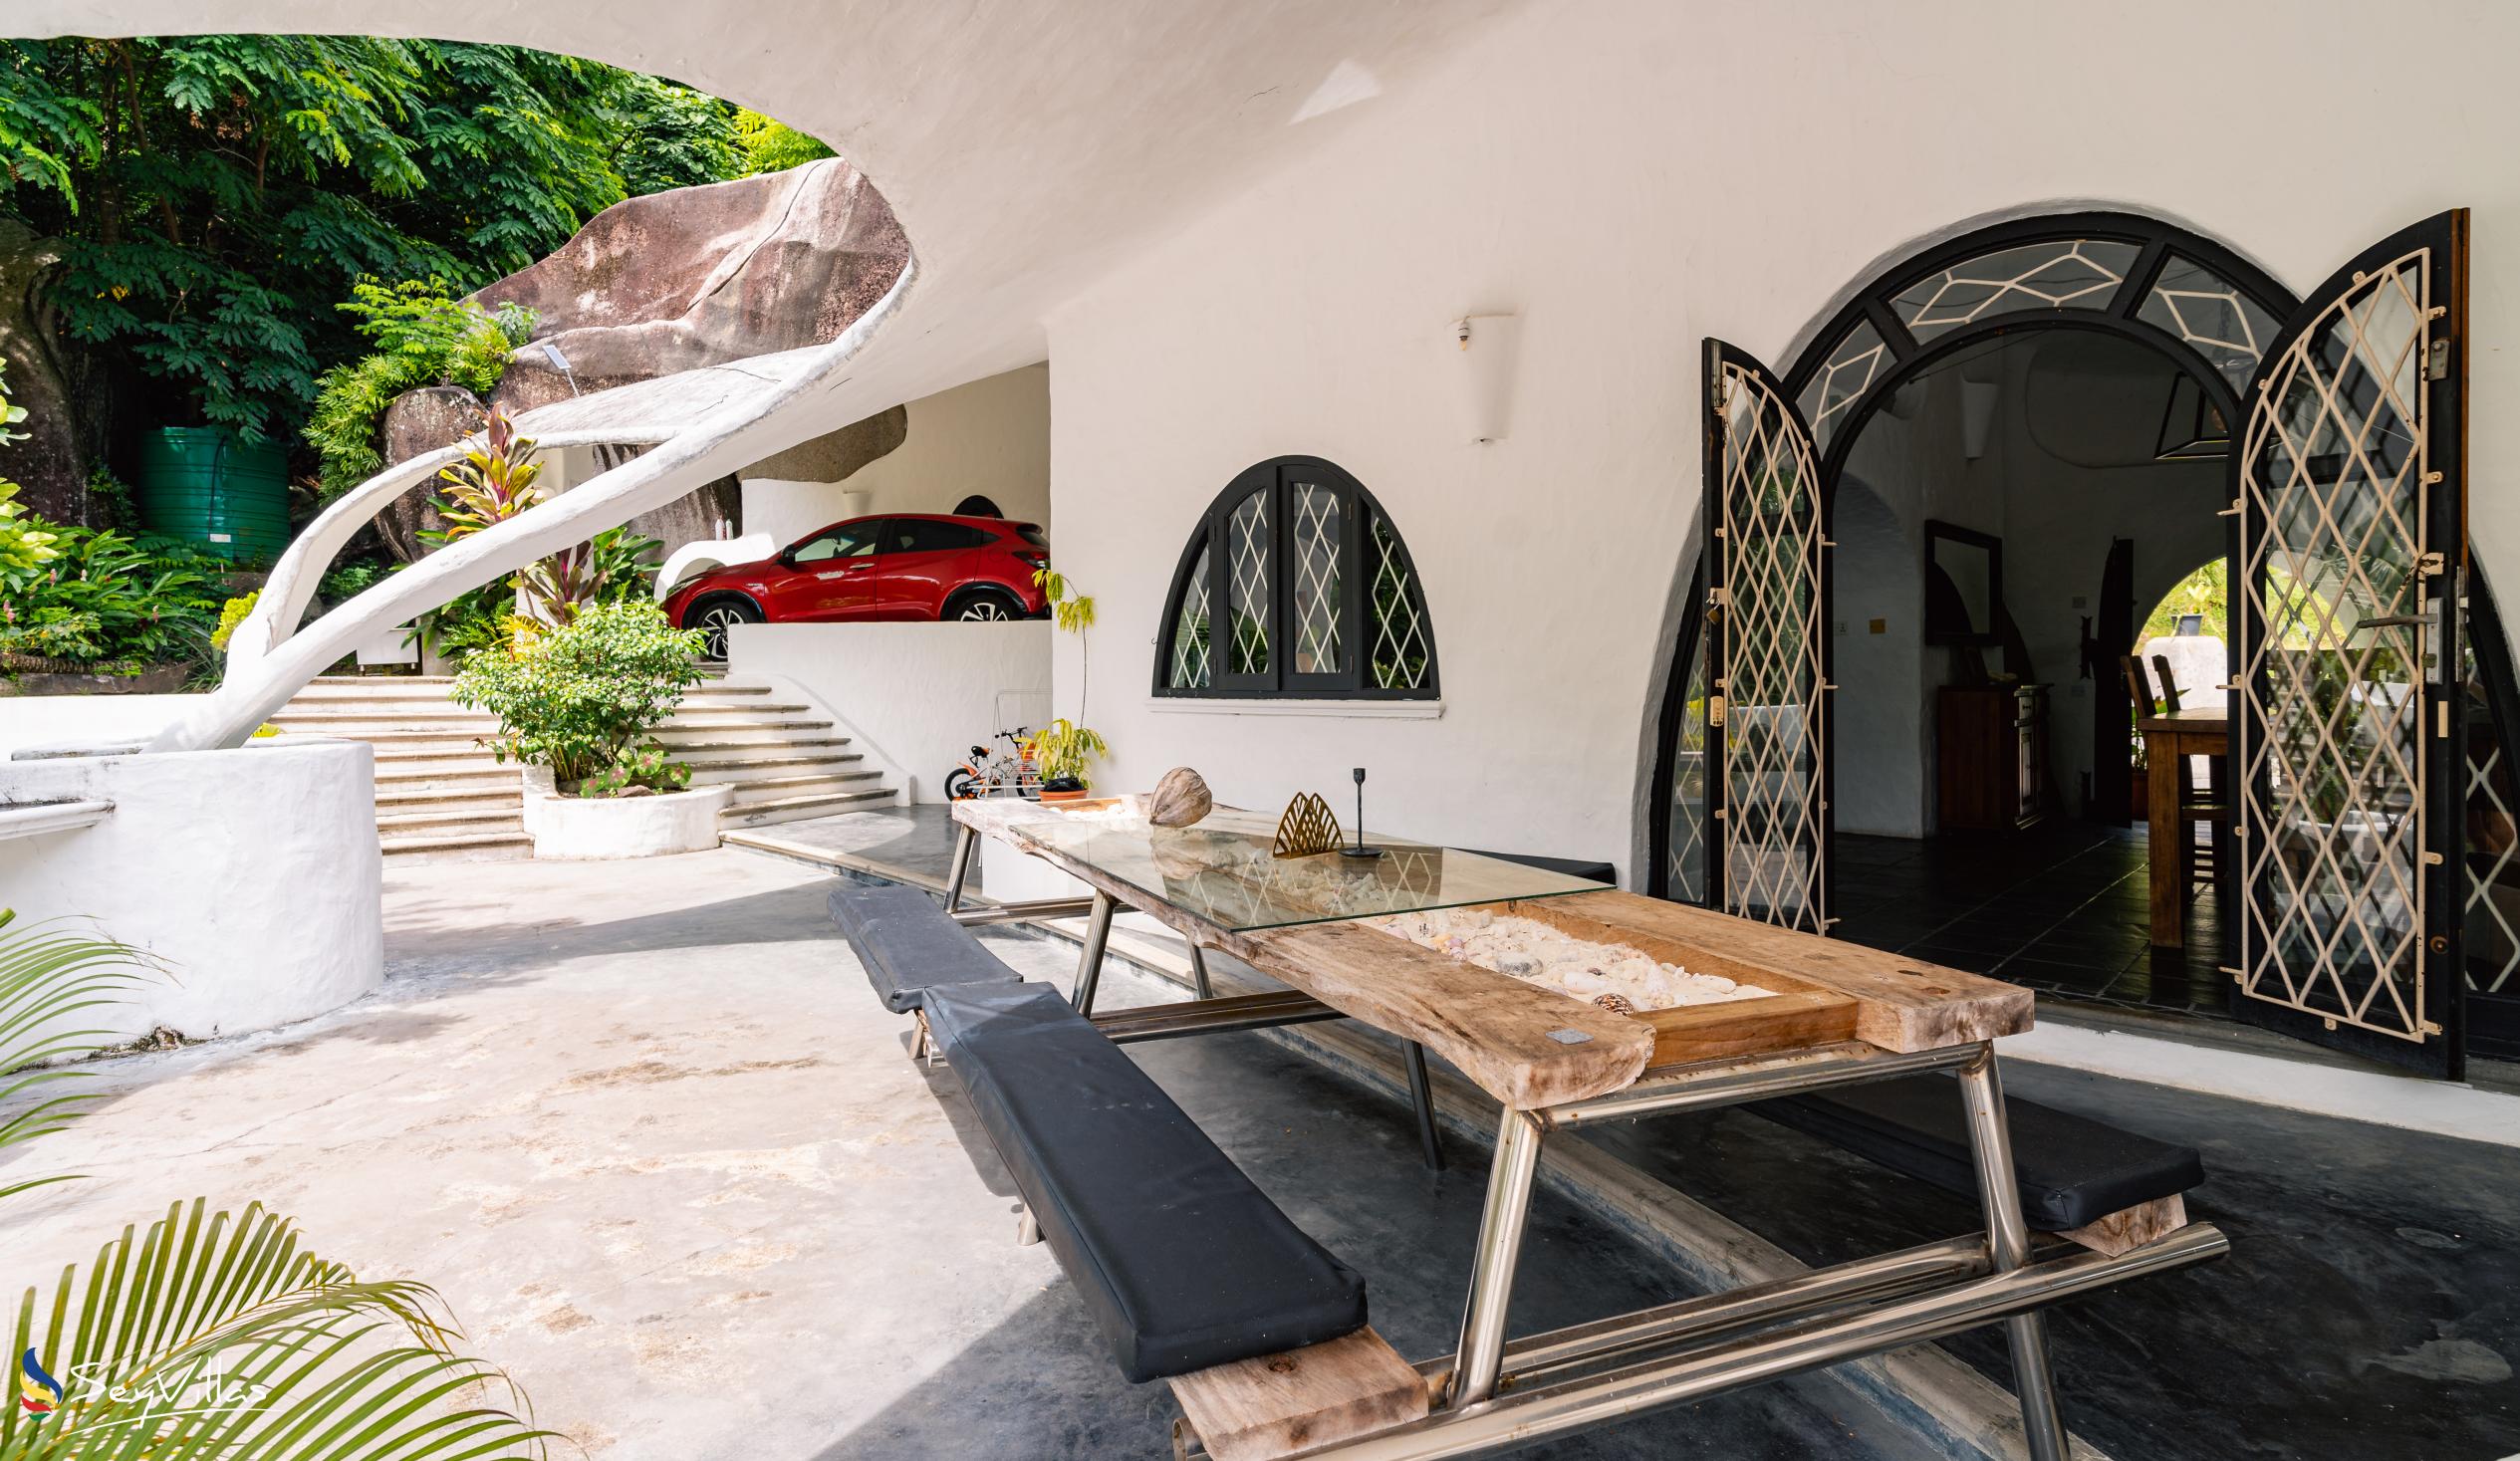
1198 973
2008 1245
1098 932
1481 1356
964 841
1421 1095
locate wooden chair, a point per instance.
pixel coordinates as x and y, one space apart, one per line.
2197 802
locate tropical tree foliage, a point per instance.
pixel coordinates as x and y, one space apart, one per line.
217 196
771 145
96 599
421 335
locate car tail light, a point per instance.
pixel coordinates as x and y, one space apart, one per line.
1033 556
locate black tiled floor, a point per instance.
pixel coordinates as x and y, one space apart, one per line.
2061 907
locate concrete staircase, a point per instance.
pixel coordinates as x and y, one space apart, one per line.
441 798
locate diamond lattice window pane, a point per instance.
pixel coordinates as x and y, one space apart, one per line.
1190 658
1772 727
1315 556
2061 274
1247 585
1852 365
2226 327
1403 656
2332 471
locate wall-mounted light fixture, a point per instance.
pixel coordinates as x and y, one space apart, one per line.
1488 346
1977 415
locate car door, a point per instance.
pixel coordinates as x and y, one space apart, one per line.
829 576
918 564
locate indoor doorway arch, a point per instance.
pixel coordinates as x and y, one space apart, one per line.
2196 302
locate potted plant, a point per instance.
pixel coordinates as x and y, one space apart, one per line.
1064 749
577 705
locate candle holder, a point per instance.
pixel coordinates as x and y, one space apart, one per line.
1360 850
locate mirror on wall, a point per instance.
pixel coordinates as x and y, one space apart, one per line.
1964 581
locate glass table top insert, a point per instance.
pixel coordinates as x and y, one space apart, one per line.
1224 871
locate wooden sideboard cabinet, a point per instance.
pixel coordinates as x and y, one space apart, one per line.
1992 753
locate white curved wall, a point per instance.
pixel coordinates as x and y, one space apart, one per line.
990 436
254 874
1631 178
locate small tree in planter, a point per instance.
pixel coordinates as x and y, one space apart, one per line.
579 699
1065 749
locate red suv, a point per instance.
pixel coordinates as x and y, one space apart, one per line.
903 565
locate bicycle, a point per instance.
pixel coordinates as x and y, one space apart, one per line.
989 774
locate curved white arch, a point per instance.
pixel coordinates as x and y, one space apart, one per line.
735 430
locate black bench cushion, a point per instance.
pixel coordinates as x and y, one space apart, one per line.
909 946
1184 1262
1570 867
2072 1171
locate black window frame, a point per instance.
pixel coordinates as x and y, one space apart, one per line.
1359 511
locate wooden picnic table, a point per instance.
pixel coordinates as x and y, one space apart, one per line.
1511 1037
1840 1014
2168 738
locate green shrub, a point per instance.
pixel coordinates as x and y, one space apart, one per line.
24 547
231 613
423 335
576 698
352 580
771 145
648 768
114 602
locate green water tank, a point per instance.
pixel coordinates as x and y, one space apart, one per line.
202 485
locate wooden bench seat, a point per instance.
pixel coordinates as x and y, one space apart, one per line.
2090 1181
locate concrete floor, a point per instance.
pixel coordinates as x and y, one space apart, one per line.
647 1129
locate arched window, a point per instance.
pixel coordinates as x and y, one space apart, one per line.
1297 584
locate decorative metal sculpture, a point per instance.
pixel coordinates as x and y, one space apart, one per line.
1308 827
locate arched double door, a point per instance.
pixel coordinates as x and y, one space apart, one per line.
2353 767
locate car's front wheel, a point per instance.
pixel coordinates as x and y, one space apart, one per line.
718 615
983 607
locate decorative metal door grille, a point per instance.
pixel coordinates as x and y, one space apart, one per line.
1685 833
1767 603
2336 673
2491 914
2489 927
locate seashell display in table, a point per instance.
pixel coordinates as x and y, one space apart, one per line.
1609 975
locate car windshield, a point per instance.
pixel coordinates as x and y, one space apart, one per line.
848 540
1032 535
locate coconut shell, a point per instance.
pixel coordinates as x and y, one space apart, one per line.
1180 799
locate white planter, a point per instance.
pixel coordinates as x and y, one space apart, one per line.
393 646
598 829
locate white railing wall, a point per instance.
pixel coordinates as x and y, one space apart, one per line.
268 663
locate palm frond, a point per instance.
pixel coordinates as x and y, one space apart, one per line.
51 975
213 1336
